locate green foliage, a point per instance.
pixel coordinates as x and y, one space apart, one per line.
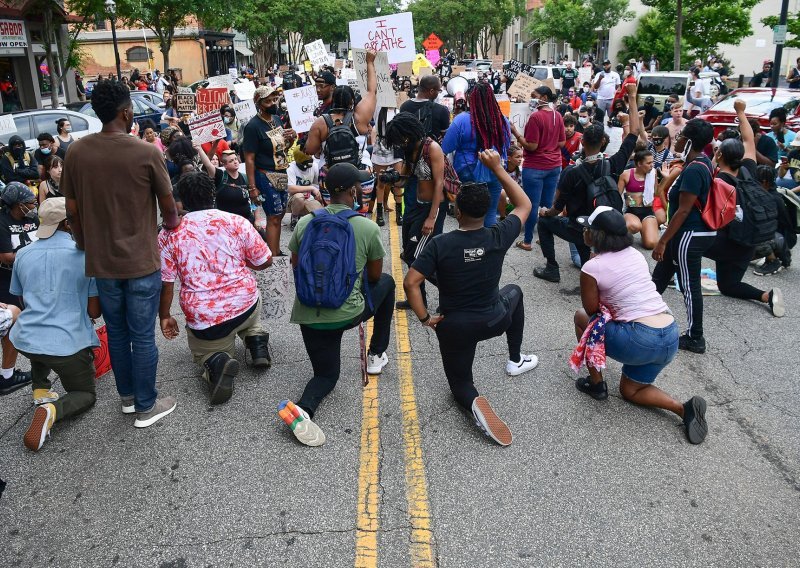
574 20
792 28
655 34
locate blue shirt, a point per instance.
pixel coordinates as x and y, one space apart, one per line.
461 139
49 275
788 138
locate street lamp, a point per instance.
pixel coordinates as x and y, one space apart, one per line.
111 8
378 6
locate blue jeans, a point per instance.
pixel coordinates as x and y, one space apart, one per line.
643 350
129 309
540 187
466 176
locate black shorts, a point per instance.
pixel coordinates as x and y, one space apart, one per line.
641 212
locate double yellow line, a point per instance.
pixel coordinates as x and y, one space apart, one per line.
368 517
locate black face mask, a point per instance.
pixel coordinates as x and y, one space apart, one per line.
304 166
273 109
658 141
18 152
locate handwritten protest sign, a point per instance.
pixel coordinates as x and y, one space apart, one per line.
386 97
185 102
497 62
245 110
516 67
505 104
245 90
317 54
404 69
184 90
457 70
351 78
211 99
207 127
584 75
523 86
301 104
424 71
519 115
393 34
221 81
7 125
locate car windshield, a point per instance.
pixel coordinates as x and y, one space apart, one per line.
665 86
759 103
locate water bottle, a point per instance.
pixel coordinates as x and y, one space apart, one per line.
739 213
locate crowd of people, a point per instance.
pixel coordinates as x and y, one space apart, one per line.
223 205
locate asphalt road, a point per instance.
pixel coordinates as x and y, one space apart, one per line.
405 478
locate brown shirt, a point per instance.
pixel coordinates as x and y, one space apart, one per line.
116 179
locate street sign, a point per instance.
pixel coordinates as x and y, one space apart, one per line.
779 35
432 42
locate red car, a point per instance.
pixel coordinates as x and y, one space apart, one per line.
760 103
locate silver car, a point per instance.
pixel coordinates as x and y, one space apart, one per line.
31 123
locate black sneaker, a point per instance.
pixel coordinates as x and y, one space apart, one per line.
597 392
693 344
18 380
379 220
694 419
548 272
221 372
769 268
398 215
293 223
776 305
258 346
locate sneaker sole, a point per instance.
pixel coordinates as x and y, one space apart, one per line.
778 307
523 369
495 427
757 273
697 430
154 419
223 390
38 431
309 434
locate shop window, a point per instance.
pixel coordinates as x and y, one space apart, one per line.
138 53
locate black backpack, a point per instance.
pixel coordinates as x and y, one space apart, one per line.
341 145
759 213
602 190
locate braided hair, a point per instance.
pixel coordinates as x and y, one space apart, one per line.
197 191
405 131
343 98
488 124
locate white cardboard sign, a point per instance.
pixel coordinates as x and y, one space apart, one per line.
301 104
317 54
386 94
7 125
393 34
221 81
207 127
245 110
349 77
245 90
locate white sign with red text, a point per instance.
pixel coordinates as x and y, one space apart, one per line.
393 34
207 127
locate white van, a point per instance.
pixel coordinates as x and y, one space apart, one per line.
661 84
544 72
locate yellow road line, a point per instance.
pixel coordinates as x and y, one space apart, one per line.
368 516
422 555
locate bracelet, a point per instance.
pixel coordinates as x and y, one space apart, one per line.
425 319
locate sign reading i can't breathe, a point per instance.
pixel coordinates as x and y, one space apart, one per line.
393 34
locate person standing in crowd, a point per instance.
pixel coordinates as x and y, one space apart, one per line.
150 136
325 83
659 145
782 136
52 178
764 75
64 134
572 193
676 123
19 220
569 75
323 328
232 195
17 164
219 295
651 115
47 148
641 333
122 255
793 76
639 214
572 140
433 116
468 264
54 330
687 238
483 127
265 142
541 168
767 150
385 157
606 85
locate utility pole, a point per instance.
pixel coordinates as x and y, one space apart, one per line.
776 68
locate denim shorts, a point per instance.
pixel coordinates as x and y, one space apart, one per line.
274 201
643 350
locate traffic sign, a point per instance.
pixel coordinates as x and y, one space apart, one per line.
432 42
779 35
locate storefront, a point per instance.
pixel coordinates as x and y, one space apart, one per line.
220 54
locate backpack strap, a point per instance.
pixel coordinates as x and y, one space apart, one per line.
328 121
349 214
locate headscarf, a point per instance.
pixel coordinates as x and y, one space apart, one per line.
16 192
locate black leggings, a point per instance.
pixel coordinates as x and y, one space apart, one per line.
684 255
460 332
732 260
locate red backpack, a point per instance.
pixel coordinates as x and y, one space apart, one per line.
720 207
452 185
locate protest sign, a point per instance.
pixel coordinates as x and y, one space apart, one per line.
233 72
185 102
342 82
523 86
221 81
519 115
349 77
457 70
207 127
404 69
433 56
245 110
505 104
184 90
212 98
584 75
393 34
245 90
470 75
402 97
497 62
386 96
7 125
307 66
338 64
301 104
515 67
424 71
317 54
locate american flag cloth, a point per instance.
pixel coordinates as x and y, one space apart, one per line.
591 349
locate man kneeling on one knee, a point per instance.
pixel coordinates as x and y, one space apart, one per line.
211 252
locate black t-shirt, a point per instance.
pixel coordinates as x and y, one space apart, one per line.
696 179
468 265
767 147
568 77
572 187
13 236
41 158
232 194
266 141
650 112
440 119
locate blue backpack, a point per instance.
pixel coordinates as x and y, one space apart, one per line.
326 269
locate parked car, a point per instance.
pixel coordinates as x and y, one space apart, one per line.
760 102
31 123
143 110
203 83
481 65
662 84
155 98
545 72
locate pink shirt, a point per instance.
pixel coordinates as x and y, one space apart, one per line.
625 284
545 128
208 254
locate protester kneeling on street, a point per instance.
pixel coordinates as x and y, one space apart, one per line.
219 294
52 331
347 250
623 309
469 263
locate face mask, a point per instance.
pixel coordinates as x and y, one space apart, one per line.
18 152
589 104
32 213
626 73
533 104
658 141
45 151
583 120
228 120
273 109
586 89
686 150
68 130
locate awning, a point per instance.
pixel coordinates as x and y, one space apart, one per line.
244 51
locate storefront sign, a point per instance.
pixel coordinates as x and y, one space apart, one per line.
12 34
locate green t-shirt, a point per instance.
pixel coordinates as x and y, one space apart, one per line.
369 246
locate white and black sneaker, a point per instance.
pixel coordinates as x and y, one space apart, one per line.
769 268
376 363
525 364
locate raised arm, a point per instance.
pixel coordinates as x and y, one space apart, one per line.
748 136
522 205
366 107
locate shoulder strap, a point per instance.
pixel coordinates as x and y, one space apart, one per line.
224 179
584 173
328 120
347 214
605 167
321 212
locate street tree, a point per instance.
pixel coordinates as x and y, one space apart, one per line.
575 21
654 36
792 28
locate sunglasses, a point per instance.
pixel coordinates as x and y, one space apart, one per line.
658 141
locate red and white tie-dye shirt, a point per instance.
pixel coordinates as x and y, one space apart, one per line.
208 253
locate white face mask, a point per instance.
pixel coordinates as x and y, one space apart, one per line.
583 119
686 150
589 104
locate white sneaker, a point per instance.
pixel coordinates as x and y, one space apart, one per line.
491 424
162 407
128 405
303 428
376 363
525 364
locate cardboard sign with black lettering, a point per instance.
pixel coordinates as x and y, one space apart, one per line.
523 86
386 96
516 67
185 102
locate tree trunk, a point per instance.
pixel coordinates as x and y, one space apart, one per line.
164 48
678 32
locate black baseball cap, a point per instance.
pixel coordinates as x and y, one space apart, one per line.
327 77
343 177
606 219
606 62
649 99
